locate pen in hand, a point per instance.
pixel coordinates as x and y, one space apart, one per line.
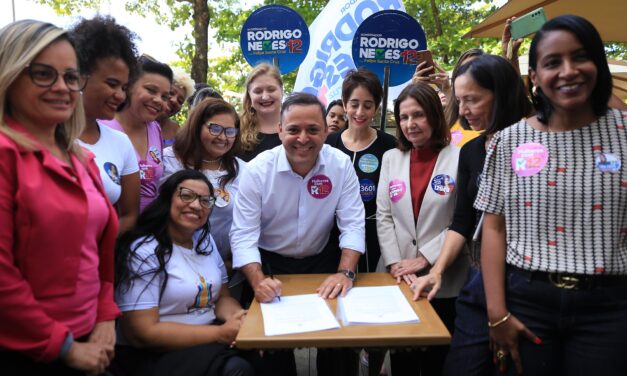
272 277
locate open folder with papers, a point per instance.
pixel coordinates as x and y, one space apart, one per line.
297 314
375 305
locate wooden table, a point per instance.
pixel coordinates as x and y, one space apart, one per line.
430 330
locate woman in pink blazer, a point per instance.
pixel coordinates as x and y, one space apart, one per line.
58 228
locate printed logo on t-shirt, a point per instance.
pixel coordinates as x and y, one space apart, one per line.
368 163
203 297
146 171
222 196
112 171
456 137
396 190
529 159
443 184
155 154
367 190
319 186
607 162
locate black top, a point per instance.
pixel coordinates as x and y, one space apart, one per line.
470 167
367 164
267 141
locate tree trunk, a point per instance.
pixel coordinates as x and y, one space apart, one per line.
438 25
200 17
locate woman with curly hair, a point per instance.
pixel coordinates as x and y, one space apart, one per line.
106 52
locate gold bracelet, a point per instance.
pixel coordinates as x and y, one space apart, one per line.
499 322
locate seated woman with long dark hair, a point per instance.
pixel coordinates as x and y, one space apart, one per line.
171 287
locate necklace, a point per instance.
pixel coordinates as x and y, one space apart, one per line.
213 160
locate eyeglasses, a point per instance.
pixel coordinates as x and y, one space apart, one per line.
44 75
217 129
188 196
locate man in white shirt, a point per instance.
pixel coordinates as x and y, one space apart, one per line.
289 200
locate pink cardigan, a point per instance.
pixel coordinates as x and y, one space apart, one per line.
43 211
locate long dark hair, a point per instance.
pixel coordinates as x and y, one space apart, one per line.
591 41
152 224
497 75
188 146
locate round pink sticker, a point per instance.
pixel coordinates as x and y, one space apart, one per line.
319 186
397 190
456 137
529 159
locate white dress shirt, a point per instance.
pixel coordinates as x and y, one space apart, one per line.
280 211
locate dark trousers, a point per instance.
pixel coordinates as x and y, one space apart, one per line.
469 354
328 361
202 360
16 364
583 331
426 361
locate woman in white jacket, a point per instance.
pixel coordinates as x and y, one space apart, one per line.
415 203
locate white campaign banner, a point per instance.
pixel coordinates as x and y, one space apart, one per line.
330 49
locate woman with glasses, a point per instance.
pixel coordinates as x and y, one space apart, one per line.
208 143
148 94
106 52
57 227
171 285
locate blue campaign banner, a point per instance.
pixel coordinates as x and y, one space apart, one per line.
389 38
275 31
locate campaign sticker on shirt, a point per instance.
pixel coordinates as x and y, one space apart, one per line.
222 196
112 171
397 190
607 162
443 184
155 154
456 137
368 163
529 159
146 171
367 189
319 186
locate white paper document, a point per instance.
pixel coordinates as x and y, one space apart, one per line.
297 314
375 305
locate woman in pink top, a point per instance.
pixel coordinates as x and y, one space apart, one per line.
58 228
148 93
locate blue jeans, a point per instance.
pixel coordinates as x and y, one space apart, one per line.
470 353
583 331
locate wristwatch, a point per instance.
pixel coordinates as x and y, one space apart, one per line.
348 273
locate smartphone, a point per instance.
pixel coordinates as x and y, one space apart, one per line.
528 24
425 55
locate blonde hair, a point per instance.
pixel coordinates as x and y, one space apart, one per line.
249 129
183 81
20 43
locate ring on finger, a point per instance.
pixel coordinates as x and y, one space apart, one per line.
500 355
338 285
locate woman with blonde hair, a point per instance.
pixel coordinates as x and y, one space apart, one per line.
58 228
261 111
182 89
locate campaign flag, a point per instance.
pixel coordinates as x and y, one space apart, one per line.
331 40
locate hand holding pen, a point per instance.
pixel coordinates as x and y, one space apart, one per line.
268 288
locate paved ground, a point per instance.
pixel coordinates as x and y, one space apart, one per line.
306 363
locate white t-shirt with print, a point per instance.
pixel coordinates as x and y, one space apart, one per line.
115 157
193 287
